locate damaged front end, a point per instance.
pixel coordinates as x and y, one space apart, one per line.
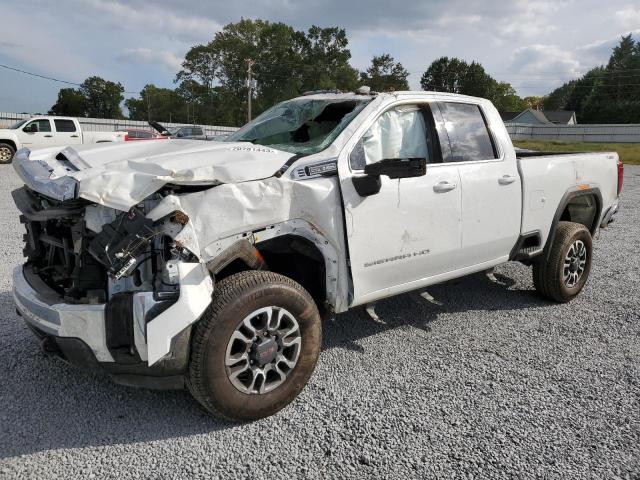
117 281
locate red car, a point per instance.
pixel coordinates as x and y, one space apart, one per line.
133 135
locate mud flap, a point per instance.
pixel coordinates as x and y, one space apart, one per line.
196 288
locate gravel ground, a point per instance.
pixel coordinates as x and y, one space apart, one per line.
493 383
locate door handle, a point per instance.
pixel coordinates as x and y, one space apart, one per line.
444 186
506 179
48 136
74 136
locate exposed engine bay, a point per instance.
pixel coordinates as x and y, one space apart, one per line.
87 253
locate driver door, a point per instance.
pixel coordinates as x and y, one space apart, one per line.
37 134
410 230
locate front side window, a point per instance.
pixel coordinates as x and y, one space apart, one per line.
303 126
399 133
38 126
65 125
464 135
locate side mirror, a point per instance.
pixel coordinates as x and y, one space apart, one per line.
370 184
367 185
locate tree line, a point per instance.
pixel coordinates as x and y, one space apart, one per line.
212 86
605 94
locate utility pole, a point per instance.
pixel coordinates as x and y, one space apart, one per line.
249 88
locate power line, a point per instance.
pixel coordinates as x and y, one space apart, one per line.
301 75
45 77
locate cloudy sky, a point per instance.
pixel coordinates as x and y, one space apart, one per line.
534 45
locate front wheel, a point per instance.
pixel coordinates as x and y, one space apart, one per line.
567 268
256 346
6 153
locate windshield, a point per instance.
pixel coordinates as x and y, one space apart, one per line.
301 126
15 126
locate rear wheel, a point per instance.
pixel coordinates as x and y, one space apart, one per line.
6 153
256 347
567 269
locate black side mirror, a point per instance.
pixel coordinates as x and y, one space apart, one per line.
394 168
370 184
367 185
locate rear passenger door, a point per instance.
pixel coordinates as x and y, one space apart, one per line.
491 190
66 132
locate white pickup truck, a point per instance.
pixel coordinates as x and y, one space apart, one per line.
210 264
42 132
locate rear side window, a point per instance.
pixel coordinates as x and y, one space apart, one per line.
65 125
464 130
196 131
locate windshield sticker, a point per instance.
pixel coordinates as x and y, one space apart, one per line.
253 149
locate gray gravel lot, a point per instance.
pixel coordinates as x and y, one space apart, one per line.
494 383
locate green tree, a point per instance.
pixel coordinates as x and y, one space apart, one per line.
326 60
620 83
457 76
385 75
70 102
102 98
475 81
286 62
504 97
609 94
159 104
557 100
535 102
444 75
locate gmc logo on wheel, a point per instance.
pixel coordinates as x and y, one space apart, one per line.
267 352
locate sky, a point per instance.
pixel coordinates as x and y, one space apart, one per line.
534 45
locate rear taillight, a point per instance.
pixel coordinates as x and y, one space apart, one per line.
620 175
126 137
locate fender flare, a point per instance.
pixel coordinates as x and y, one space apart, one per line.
566 198
240 250
336 292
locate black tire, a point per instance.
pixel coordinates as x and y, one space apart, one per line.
6 153
549 276
235 298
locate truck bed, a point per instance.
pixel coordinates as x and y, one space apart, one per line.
546 176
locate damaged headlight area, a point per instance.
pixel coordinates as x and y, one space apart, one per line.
37 175
88 253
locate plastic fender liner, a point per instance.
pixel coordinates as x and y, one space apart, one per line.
566 198
196 288
240 250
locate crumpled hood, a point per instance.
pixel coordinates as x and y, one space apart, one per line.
123 174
